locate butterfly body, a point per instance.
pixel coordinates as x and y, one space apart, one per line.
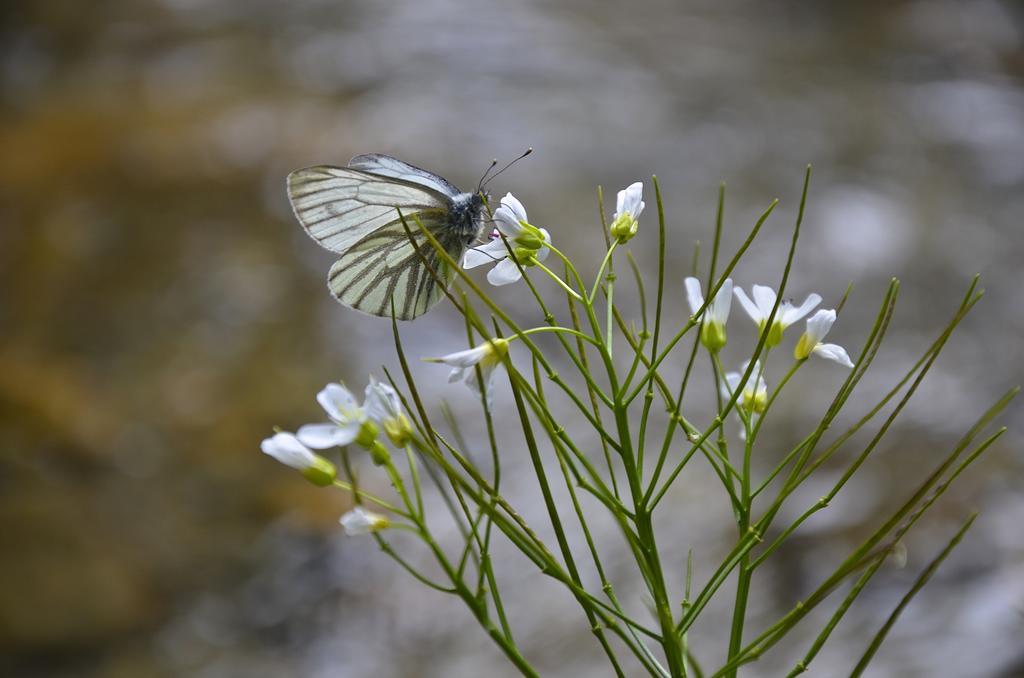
466 216
357 212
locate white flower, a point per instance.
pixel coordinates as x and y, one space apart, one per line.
383 406
629 203
290 451
818 326
360 521
712 331
527 243
754 397
487 355
761 308
346 415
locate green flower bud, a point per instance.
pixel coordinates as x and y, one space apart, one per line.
398 430
320 472
713 336
624 227
379 454
367 434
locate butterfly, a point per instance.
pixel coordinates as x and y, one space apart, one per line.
354 211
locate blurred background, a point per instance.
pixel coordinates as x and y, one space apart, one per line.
160 310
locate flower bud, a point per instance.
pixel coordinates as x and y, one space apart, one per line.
320 472
624 227
360 521
290 451
379 454
713 336
398 430
367 435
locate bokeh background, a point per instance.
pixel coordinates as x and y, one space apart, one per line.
160 310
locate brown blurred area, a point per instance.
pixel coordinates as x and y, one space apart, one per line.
160 311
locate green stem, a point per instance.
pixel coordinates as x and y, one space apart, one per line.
558 279
600 271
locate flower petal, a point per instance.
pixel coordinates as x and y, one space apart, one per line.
630 200
722 304
731 383
504 273
337 401
381 402
765 298
694 295
833 352
508 216
359 521
512 204
819 324
489 253
791 314
749 306
323 436
467 358
289 450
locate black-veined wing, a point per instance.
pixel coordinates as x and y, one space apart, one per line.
339 206
386 166
384 268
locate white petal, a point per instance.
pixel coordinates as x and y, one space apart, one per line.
765 298
360 521
467 358
288 450
508 216
504 273
630 200
543 252
835 353
732 382
337 401
819 324
694 296
722 304
749 306
489 253
382 402
790 314
323 436
512 203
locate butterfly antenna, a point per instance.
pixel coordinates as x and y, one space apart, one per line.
527 152
484 179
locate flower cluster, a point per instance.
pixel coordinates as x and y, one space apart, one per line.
760 309
349 422
517 244
526 245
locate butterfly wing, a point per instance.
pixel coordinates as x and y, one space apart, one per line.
386 166
339 206
384 268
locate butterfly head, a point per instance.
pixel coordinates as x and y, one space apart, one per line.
467 215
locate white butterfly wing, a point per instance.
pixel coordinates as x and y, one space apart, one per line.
386 166
384 268
340 206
